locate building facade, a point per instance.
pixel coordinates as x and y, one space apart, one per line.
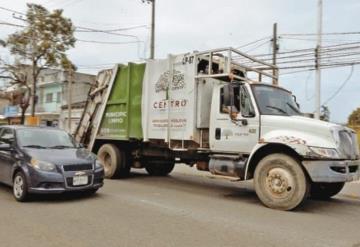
52 97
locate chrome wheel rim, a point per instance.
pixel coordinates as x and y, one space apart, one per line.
18 186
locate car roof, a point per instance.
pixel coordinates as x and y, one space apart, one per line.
16 127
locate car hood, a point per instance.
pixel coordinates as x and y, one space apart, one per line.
62 156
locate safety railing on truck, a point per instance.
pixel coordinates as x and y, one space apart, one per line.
231 63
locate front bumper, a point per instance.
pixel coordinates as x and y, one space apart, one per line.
55 182
332 171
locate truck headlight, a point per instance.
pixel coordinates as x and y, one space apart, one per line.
325 152
335 133
98 165
43 165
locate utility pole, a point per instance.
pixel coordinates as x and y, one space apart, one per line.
70 81
152 39
152 48
318 60
275 49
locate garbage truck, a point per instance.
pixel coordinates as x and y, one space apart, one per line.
221 111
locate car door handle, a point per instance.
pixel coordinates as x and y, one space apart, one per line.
244 122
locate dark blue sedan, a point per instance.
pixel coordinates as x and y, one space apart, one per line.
46 160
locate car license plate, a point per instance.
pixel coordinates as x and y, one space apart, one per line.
80 180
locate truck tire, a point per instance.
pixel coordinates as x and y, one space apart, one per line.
280 182
114 161
159 168
325 191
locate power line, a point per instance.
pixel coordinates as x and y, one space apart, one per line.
88 29
323 34
253 42
341 87
109 42
10 24
11 10
326 40
258 46
110 30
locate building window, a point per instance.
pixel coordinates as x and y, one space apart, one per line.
58 97
49 98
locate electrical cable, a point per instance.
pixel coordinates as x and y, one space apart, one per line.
258 46
253 42
341 87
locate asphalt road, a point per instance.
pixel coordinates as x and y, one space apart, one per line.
187 208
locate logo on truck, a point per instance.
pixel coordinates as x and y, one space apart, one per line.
178 81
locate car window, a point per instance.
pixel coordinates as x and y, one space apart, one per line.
247 109
7 135
235 107
44 138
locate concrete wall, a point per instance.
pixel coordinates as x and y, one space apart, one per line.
45 104
79 89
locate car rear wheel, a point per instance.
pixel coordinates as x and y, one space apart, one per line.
114 161
325 191
280 182
20 187
159 168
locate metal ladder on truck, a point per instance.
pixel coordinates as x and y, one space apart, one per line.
85 132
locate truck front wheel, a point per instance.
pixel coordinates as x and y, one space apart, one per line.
325 191
159 168
280 182
115 162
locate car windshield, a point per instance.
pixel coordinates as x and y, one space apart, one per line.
44 138
275 101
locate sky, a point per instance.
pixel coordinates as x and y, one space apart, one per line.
188 25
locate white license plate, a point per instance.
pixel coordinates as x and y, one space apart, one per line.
80 180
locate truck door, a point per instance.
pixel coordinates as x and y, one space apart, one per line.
239 133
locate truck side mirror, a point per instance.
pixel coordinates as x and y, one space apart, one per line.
297 104
228 95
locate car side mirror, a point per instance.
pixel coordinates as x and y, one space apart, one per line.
5 147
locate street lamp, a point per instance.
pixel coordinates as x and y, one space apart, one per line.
152 42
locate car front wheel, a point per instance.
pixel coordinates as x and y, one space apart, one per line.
20 187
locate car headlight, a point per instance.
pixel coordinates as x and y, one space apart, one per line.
43 165
98 165
325 152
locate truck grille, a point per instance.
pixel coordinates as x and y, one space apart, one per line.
77 167
348 144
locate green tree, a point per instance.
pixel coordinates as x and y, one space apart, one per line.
41 44
354 118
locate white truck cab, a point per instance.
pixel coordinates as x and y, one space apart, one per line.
284 151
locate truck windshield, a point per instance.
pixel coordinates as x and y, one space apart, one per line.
275 101
44 138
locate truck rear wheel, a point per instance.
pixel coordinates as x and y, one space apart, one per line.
325 191
280 182
114 161
159 168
